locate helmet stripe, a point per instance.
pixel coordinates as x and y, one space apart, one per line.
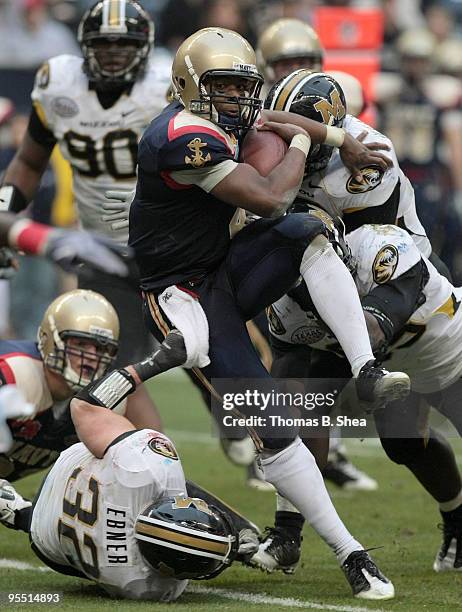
299 85
114 13
196 542
191 551
113 18
174 527
287 89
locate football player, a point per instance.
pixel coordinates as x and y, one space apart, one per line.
96 108
415 322
189 191
379 197
285 46
77 343
115 509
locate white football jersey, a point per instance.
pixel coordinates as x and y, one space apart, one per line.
430 347
338 193
100 144
85 515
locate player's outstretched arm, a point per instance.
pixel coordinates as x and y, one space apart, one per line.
97 427
91 409
67 248
355 155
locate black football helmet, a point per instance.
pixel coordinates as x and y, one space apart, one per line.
184 537
121 22
315 95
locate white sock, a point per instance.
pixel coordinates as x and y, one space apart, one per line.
294 473
284 505
336 299
335 442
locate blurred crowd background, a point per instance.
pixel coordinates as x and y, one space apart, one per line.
407 54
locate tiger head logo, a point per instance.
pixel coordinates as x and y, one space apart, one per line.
371 178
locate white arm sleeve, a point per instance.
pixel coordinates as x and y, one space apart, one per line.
205 178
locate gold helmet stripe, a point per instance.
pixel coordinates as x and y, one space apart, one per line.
291 87
113 17
287 89
166 535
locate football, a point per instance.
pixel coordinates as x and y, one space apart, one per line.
263 150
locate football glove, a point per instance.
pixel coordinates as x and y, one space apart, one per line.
117 208
70 248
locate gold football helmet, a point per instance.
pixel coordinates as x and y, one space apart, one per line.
287 39
78 337
208 54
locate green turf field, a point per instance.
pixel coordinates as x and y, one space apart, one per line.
399 516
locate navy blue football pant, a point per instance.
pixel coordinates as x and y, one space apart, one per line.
262 264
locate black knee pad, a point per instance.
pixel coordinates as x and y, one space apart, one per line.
403 451
300 229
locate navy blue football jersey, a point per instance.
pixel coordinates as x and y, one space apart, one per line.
178 230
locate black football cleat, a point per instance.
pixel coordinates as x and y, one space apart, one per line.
379 386
277 551
346 475
449 557
365 578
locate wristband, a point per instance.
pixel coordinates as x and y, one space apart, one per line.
12 199
109 390
301 142
334 136
28 236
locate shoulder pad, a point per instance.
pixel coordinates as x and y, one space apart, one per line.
195 143
57 74
160 65
28 375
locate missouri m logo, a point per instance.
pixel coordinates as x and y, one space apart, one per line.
331 110
186 502
197 160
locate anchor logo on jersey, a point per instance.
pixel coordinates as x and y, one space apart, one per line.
197 160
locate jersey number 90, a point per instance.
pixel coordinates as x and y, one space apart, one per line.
114 154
